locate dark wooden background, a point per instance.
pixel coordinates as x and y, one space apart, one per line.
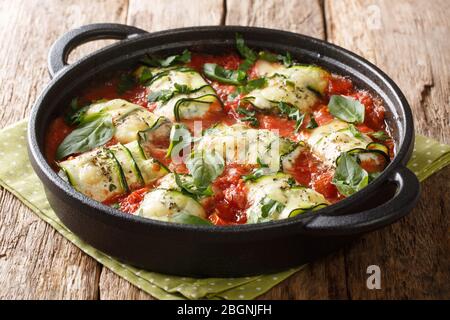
409 39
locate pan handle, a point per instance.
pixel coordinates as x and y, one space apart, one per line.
406 196
60 50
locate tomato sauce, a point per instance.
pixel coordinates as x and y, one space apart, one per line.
128 203
56 133
228 204
107 89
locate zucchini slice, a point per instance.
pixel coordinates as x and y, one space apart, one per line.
130 169
116 108
298 211
280 89
328 141
288 160
128 125
165 205
194 108
97 174
187 94
379 147
148 168
307 76
168 78
128 118
297 85
272 197
190 106
373 160
155 137
241 144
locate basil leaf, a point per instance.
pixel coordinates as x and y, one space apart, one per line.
190 219
86 137
380 135
246 64
75 114
291 182
268 56
251 85
126 82
190 189
248 54
299 121
245 112
347 109
162 95
261 164
312 123
145 76
254 175
355 132
180 138
249 116
254 122
155 61
349 177
271 57
215 72
270 207
182 88
257 173
292 113
287 60
205 168
166 94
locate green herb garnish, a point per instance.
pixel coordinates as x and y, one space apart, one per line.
349 177
215 72
89 135
155 61
126 82
347 109
249 116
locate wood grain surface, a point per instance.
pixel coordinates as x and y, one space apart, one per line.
407 38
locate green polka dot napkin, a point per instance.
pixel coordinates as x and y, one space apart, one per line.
17 176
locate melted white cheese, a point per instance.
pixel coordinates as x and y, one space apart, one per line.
244 145
328 141
276 187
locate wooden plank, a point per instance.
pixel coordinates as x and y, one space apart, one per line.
407 40
301 16
155 16
35 261
113 287
160 14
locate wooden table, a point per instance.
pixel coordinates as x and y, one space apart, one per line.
407 39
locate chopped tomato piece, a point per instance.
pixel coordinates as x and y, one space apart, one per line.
322 184
230 195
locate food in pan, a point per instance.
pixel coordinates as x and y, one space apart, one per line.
242 137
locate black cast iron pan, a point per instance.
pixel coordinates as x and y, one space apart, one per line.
219 251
